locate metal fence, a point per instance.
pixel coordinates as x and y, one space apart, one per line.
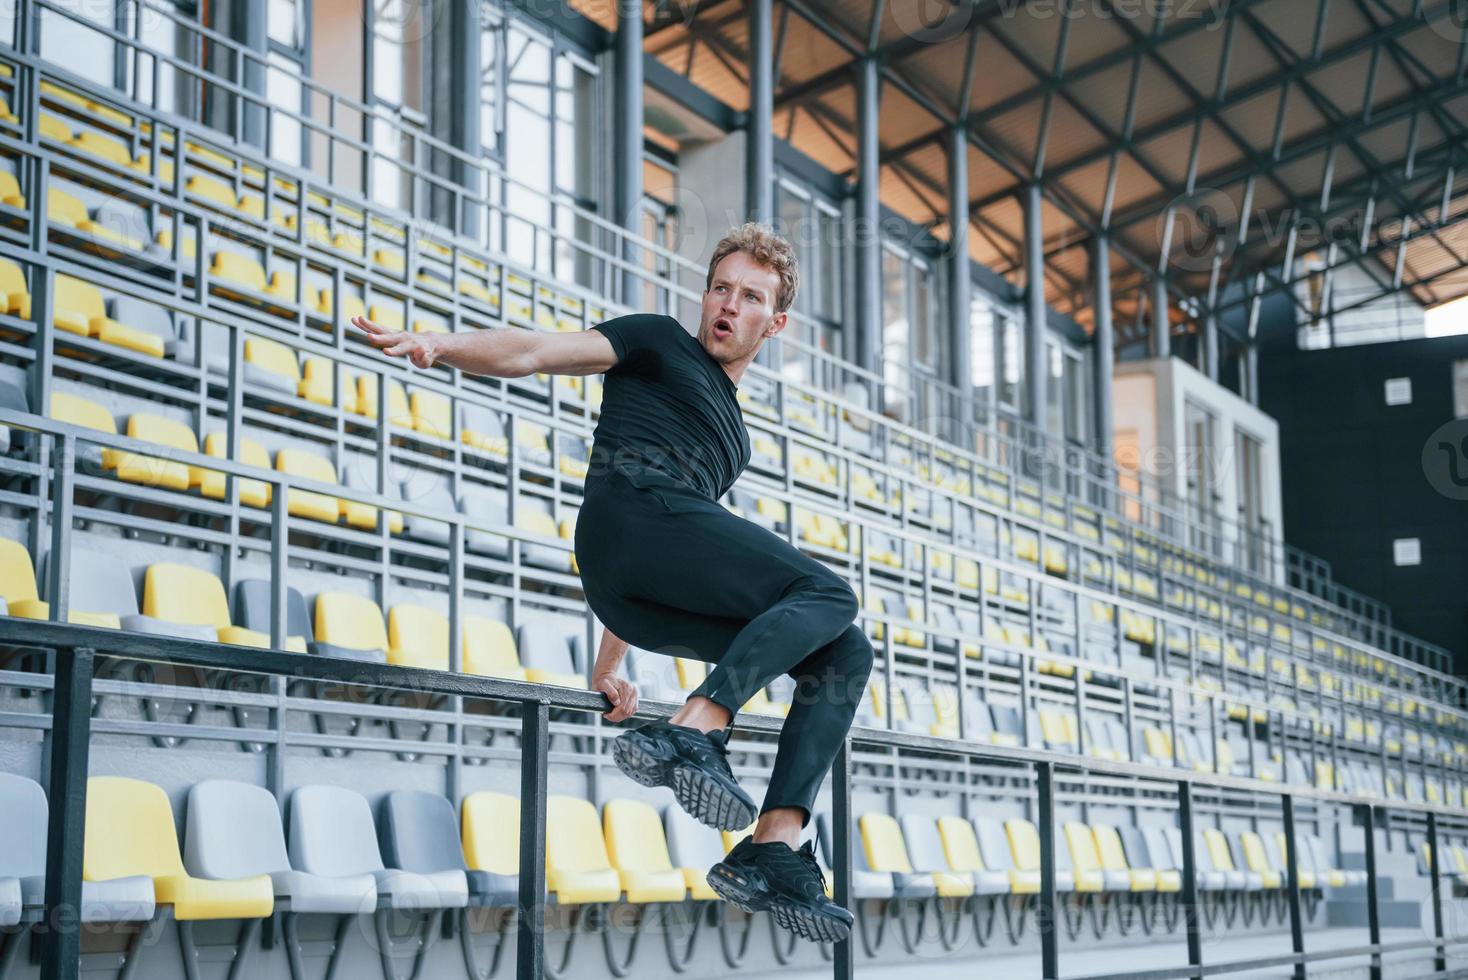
75 651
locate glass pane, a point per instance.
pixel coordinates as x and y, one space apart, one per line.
489 87
281 23
981 341
925 349
896 329
66 39
283 89
832 271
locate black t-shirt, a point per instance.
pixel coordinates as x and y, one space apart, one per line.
668 407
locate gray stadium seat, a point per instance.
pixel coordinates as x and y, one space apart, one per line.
12 397
433 495
995 850
419 833
692 846
209 344
865 883
148 317
487 505
100 583
655 675
332 834
545 649
23 828
252 610
925 846
233 830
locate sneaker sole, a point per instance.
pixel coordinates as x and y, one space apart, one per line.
707 797
805 921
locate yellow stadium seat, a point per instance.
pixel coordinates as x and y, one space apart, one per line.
885 849
1085 862
489 649
212 190
960 845
397 400
104 147
316 384
1024 847
53 127
1257 859
17 296
210 483
193 597
309 503
350 621
239 270
432 414
275 358
1113 858
577 868
490 831
417 637
10 190
22 599
638 850
152 471
5 114
130 831
76 410
80 309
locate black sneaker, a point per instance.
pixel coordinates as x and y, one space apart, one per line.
693 765
786 883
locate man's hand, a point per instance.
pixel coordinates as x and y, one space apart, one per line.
622 694
422 349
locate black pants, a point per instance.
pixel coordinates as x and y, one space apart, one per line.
670 571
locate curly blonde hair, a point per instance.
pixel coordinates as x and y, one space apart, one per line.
769 250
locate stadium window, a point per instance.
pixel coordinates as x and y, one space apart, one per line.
286 36
1011 364
981 344
397 82
813 226
659 225
1251 497
1460 388
896 333
538 120
68 39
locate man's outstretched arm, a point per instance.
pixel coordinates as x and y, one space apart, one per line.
508 353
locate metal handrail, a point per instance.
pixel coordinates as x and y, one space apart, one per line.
76 648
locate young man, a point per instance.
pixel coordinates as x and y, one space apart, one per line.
666 567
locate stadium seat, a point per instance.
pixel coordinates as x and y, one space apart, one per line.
578 870
417 637
80 309
153 471
865 882
486 505
23 826
638 850
252 611
332 834
878 839
183 601
489 649
233 830
491 839
211 483
311 504
350 627
431 492
693 848
926 854
17 294
130 832
22 599
545 650
420 834
961 850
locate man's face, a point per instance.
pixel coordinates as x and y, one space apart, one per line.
739 309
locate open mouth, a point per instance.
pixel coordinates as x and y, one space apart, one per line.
723 328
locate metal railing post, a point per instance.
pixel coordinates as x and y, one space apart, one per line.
1373 904
1440 955
844 960
1292 869
71 734
1190 873
534 768
1049 934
